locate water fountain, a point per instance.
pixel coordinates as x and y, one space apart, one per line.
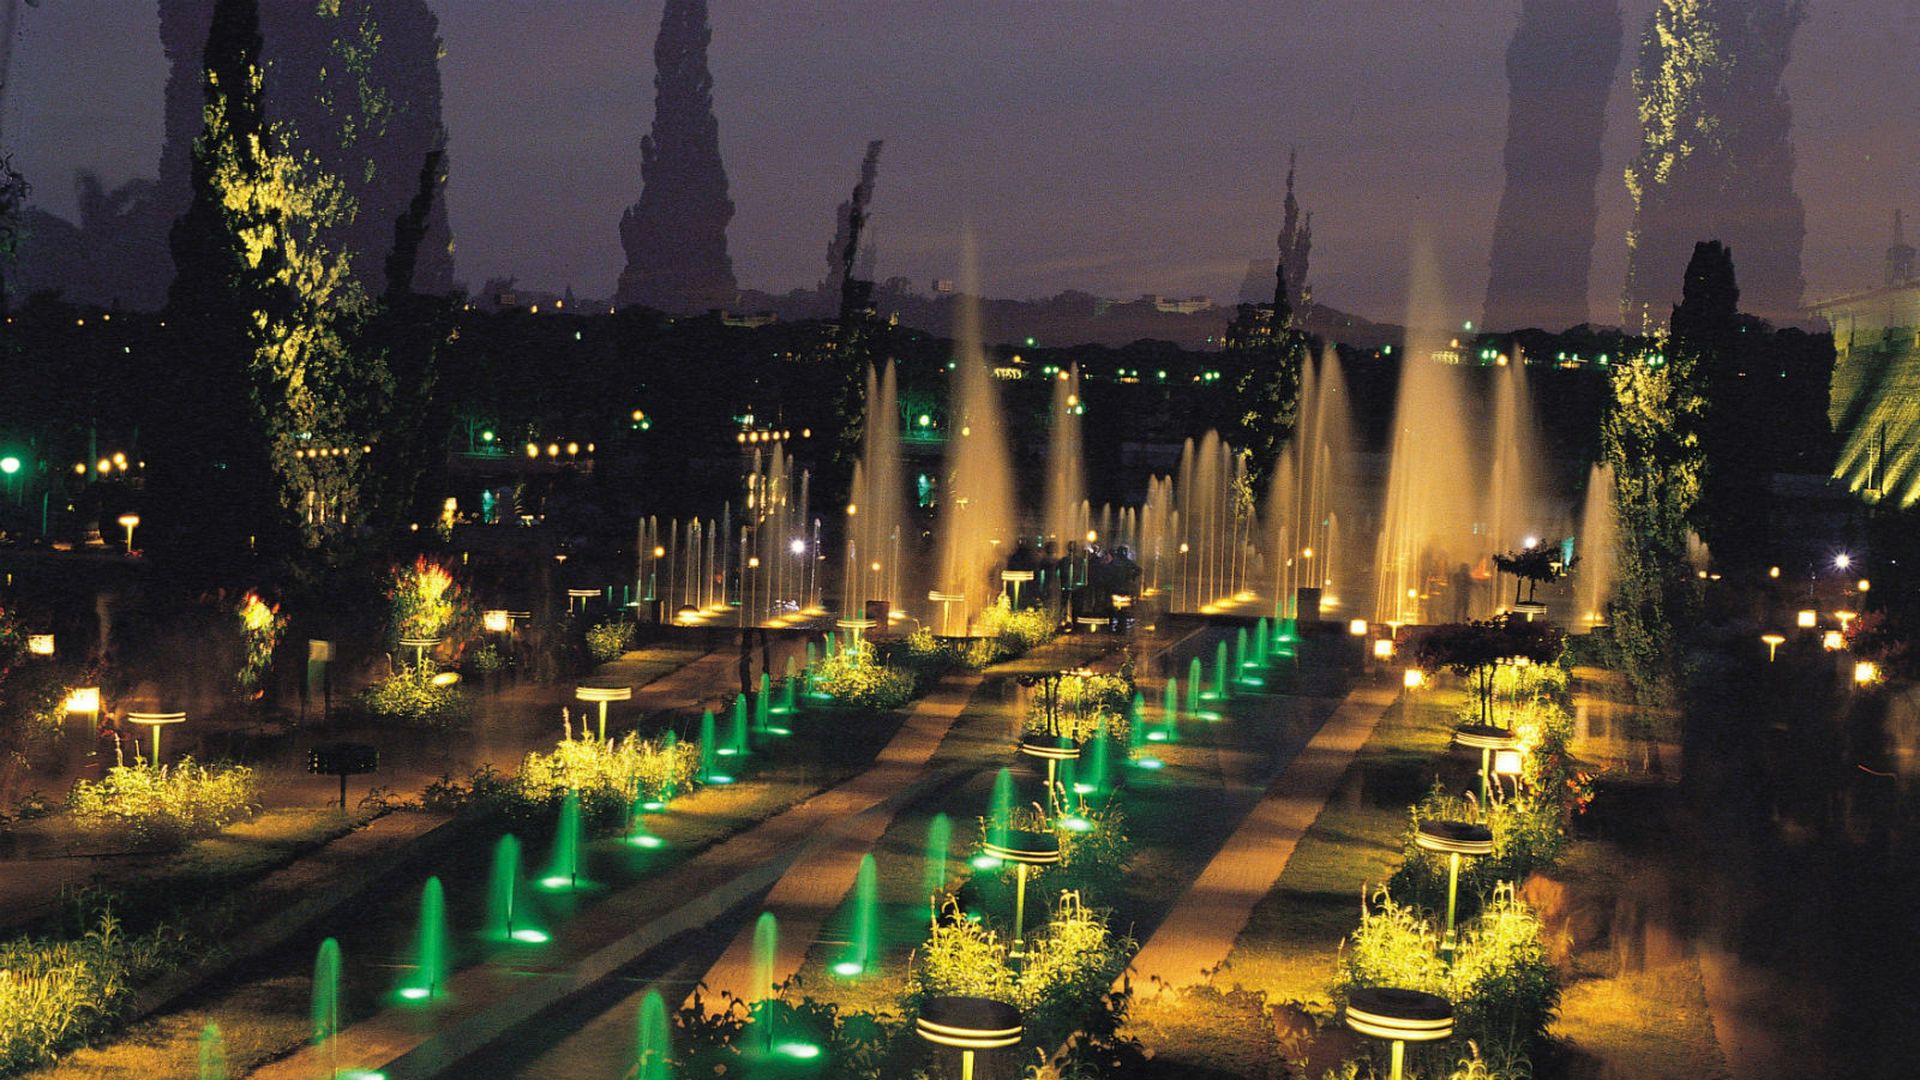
1065 517
506 921
789 685
638 835
1099 753
213 1054
737 747
1593 576
876 513
1194 686
863 932
325 1008
933 878
1215 526
563 872
1261 642
708 748
653 1056
430 959
669 743
999 817
1427 524
1221 674
1309 490
974 532
1515 507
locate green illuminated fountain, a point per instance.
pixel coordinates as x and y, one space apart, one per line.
637 833
708 746
1169 729
213 1054
787 706
669 743
1262 640
866 901
763 705
1193 687
506 920
739 746
430 959
1099 750
1220 691
1239 649
999 817
653 1059
563 872
933 879
325 1013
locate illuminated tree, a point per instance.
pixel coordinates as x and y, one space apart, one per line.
1650 434
1475 650
261 442
1270 352
1716 157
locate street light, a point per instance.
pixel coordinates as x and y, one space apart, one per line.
1453 839
1401 1017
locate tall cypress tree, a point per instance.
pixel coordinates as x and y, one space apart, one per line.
676 235
258 440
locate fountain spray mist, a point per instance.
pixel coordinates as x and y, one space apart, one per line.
975 528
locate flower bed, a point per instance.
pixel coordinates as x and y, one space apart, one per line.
168 805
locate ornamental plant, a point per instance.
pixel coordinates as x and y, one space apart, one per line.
609 774
1528 835
55 993
168 805
1504 991
855 676
610 640
261 627
424 600
413 698
1087 705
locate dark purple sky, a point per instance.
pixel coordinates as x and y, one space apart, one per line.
1118 148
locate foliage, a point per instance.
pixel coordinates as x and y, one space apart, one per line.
261 626
1087 705
1092 860
609 774
1069 966
1475 650
488 659
1016 631
852 1044
855 676
54 993
31 692
1503 989
1529 834
1003 634
425 602
1536 565
167 805
411 697
610 640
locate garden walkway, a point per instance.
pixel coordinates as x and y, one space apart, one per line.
489 1000
1200 930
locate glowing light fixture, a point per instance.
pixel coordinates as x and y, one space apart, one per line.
1414 678
1865 673
1807 619
1773 642
1401 1017
969 1024
40 644
1358 628
496 621
1833 641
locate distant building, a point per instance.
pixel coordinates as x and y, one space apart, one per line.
1876 381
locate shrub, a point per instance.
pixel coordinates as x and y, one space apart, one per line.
1070 964
167 805
412 697
1528 835
1088 704
1503 990
609 641
261 625
851 1044
424 600
55 993
857 677
1017 631
608 775
487 659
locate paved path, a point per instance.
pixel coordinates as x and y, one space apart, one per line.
489 999
1200 930
810 891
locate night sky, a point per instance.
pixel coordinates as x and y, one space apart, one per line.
1117 148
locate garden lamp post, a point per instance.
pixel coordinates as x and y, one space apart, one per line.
968 1024
1016 578
1023 849
1773 643
946 600
40 644
1453 839
1401 1017
156 721
419 645
84 699
601 692
128 522
1485 739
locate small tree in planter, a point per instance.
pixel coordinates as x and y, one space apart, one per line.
1535 566
261 627
425 601
1474 650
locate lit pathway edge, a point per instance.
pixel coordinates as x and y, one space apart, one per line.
400 1048
1199 932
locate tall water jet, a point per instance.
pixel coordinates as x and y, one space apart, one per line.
763 705
708 774
1215 524
976 513
1222 675
1099 753
789 686
1066 514
430 960
1309 491
876 512
563 872
1426 538
933 877
1261 642
1515 511
766 943
653 1057
506 921
324 1028
1194 686
1593 575
213 1053
864 927
738 746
